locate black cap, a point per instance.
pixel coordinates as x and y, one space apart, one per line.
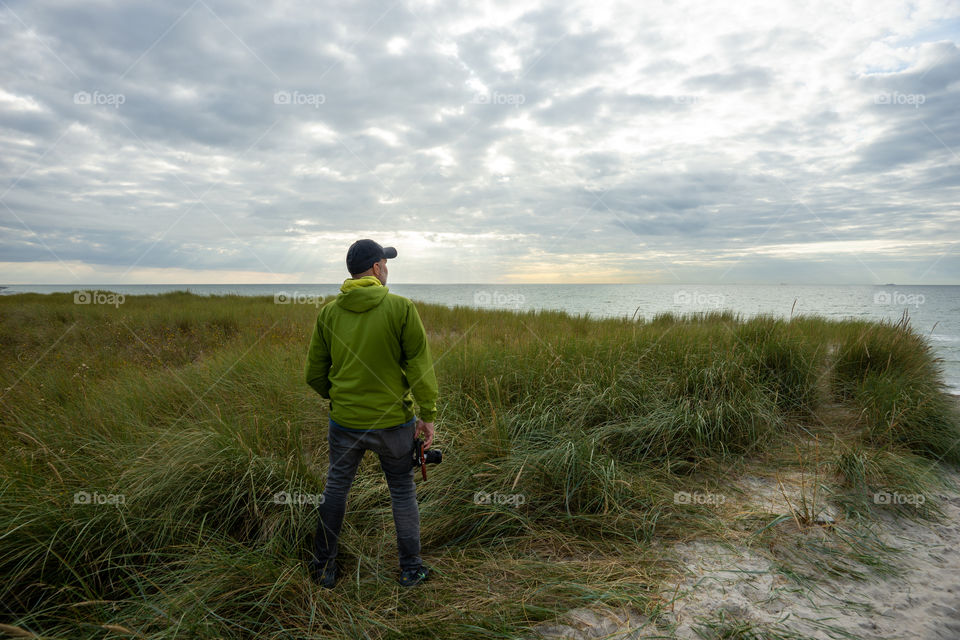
362 255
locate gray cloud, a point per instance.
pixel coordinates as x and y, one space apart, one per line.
735 80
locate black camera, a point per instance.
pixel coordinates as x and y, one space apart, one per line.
422 458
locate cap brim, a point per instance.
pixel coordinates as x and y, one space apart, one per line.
389 252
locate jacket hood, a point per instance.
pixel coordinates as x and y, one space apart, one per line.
361 294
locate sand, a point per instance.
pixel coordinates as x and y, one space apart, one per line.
922 603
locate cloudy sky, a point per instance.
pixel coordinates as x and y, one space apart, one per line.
215 141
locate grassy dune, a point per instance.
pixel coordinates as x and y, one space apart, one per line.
192 411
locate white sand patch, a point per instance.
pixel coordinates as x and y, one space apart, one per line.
743 585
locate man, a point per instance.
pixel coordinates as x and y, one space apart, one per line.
370 357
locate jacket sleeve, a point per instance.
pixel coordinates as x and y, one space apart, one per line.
418 364
318 362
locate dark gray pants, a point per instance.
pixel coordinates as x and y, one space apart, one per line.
394 447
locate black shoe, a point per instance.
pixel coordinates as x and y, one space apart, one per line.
413 577
325 576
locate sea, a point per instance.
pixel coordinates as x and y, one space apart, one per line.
934 311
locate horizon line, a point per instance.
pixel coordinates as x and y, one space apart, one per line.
503 284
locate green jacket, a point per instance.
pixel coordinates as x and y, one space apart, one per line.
369 355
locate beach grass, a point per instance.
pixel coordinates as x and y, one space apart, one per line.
145 444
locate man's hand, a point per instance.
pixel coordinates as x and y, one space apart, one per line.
424 429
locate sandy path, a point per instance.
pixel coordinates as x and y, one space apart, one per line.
922 604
